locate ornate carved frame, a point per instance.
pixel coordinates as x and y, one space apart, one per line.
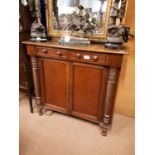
57 33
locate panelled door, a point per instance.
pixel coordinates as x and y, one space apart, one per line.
74 88
54 82
88 84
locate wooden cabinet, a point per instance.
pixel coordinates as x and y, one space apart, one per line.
78 81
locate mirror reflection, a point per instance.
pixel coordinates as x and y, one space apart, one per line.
85 16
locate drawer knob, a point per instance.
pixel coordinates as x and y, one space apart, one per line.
58 53
95 57
44 50
78 55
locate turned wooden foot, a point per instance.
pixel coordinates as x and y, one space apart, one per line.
40 111
47 112
104 131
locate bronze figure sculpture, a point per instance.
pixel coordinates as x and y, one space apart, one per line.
117 33
82 22
37 29
56 13
117 36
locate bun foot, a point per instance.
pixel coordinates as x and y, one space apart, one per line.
104 131
48 112
40 112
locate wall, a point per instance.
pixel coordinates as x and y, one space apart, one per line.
125 98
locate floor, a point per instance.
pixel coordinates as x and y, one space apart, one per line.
59 134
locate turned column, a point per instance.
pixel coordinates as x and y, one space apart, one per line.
36 84
109 100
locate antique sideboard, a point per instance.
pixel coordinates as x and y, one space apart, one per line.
80 81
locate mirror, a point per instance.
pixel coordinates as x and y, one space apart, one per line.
84 18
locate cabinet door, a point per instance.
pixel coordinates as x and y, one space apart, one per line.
54 78
89 84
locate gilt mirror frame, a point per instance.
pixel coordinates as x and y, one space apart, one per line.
57 33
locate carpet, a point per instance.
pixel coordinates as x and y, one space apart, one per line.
59 134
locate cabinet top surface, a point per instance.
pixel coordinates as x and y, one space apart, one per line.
93 47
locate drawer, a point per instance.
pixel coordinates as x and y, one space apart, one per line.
88 57
52 52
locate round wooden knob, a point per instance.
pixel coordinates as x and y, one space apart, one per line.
58 53
44 51
78 55
95 57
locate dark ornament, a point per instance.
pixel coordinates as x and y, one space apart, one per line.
82 22
56 13
117 33
117 36
37 29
